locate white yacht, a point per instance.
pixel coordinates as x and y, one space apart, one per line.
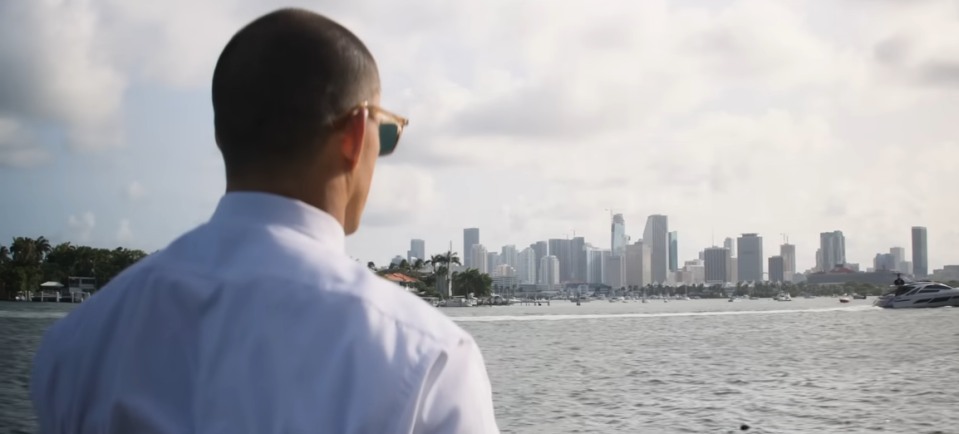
920 294
784 296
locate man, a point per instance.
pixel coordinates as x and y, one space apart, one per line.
258 321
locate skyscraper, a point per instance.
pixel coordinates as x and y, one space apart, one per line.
730 244
656 236
509 255
579 261
673 251
788 252
899 256
526 266
717 265
920 252
560 248
417 250
833 249
750 260
478 258
638 264
618 235
470 239
777 269
541 248
550 269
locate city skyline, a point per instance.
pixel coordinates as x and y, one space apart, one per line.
749 263
785 127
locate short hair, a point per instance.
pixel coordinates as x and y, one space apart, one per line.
281 82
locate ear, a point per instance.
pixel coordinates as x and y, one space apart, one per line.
354 137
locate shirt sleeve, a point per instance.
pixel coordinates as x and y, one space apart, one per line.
457 397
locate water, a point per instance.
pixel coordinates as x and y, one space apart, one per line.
680 367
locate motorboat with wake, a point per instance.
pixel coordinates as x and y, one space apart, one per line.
784 296
919 295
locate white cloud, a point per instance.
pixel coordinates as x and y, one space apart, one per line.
57 69
124 233
400 195
530 118
17 146
82 226
136 191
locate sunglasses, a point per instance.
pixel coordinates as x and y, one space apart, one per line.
390 125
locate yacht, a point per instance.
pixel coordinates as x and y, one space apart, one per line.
784 296
920 294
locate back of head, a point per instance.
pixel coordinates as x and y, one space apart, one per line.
280 83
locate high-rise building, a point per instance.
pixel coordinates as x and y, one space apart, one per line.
885 262
749 264
777 269
673 251
833 248
656 236
788 252
541 248
478 258
638 264
470 239
920 252
579 262
716 265
730 244
493 260
899 256
615 275
526 266
618 235
732 270
417 250
560 248
597 264
549 267
509 255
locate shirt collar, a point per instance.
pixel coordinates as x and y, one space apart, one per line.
270 209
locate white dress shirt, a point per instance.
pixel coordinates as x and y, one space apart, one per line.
258 322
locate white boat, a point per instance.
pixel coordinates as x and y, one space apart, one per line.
783 296
734 299
918 295
844 299
460 301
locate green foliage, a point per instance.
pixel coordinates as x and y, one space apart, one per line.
27 263
473 282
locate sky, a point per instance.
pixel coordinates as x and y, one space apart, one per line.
528 119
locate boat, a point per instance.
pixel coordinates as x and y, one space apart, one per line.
859 296
783 296
734 299
844 299
919 295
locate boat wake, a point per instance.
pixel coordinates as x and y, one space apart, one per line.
654 315
17 314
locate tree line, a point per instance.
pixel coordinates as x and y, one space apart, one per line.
28 262
432 270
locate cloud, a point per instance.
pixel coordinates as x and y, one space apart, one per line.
57 70
124 233
18 149
531 118
82 226
136 191
399 195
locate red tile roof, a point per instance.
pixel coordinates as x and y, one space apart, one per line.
399 277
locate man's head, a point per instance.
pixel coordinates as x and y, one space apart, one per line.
295 102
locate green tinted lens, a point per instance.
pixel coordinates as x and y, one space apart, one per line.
389 135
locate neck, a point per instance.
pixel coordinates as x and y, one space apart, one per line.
318 194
